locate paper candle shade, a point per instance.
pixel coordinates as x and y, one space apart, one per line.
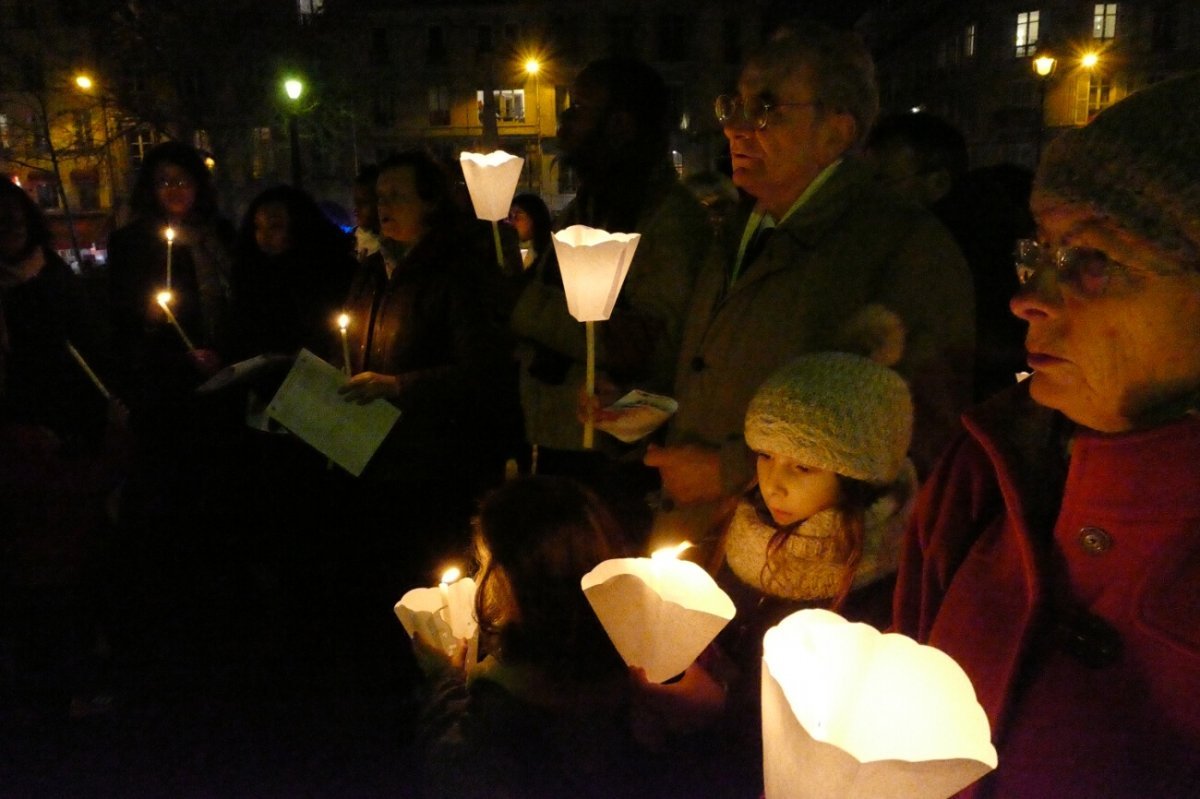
849 712
659 613
492 181
593 264
426 610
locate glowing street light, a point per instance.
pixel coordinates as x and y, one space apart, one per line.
533 68
1043 67
84 82
293 88
1089 60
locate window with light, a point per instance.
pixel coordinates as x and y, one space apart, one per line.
1104 21
1027 33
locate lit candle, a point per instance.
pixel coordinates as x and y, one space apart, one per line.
672 553
88 370
659 612
449 576
344 322
164 302
170 234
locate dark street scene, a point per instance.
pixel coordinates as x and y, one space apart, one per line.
514 399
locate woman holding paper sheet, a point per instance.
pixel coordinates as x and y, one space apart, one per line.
420 332
421 337
1055 552
545 714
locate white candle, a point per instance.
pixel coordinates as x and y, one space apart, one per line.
164 302
88 370
449 576
344 322
589 425
170 234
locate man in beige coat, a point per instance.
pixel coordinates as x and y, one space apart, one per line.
825 260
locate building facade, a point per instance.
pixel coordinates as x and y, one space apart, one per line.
973 62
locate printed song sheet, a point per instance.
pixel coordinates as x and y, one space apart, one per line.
308 404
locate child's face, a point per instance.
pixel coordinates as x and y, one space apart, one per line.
792 491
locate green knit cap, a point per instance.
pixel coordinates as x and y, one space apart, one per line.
1138 163
835 411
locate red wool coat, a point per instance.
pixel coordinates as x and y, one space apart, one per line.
1061 569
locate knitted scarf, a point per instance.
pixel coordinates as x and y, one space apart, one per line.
807 566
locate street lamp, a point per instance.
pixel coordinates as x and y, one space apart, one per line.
85 83
1043 67
533 67
294 88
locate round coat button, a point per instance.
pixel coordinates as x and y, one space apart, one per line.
1094 540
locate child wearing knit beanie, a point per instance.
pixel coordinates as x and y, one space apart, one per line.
830 432
821 528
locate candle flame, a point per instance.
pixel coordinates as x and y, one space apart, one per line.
670 553
164 298
450 575
169 233
343 321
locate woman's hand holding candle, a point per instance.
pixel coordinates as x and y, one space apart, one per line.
367 387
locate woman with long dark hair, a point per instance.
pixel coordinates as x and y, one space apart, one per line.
174 190
291 270
546 712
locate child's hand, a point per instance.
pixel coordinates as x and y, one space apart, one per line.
690 703
433 660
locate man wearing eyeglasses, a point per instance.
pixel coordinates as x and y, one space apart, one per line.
823 260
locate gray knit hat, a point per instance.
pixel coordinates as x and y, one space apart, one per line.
1137 162
834 411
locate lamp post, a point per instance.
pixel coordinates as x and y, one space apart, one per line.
1043 67
294 89
533 67
85 83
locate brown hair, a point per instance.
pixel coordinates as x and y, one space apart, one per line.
854 498
538 536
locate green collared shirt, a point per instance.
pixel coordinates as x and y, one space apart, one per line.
761 221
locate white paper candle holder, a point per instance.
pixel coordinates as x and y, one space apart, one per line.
851 713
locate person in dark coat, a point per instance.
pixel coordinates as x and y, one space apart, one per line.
291 271
173 190
422 337
1055 551
62 453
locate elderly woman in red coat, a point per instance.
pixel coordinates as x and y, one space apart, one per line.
1055 552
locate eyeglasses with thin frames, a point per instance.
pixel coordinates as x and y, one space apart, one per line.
1085 271
733 110
180 183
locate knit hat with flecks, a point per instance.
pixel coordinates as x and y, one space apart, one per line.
1138 164
834 411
